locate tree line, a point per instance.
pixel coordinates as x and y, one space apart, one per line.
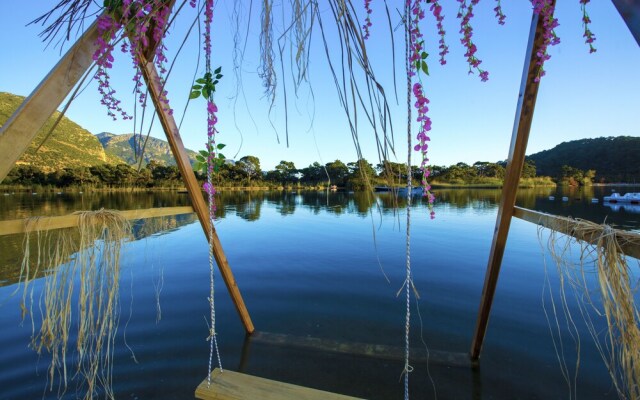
247 172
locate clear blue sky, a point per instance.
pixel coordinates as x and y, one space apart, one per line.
582 95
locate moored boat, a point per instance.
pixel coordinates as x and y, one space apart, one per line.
631 198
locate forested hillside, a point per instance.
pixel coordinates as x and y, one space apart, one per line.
614 159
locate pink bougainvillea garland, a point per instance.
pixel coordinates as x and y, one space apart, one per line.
131 20
589 37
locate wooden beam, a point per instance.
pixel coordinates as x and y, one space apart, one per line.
630 12
149 52
21 128
515 163
16 226
229 385
201 208
629 242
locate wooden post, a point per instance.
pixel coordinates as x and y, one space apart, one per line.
193 188
515 163
630 12
20 130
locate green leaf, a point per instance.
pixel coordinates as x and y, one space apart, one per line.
218 76
196 87
204 153
221 156
194 95
201 81
424 55
217 71
200 158
221 146
205 92
425 68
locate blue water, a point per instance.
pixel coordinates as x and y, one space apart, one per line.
314 265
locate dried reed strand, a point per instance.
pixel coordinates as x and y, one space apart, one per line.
83 268
601 254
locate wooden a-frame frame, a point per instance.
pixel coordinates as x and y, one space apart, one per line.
20 130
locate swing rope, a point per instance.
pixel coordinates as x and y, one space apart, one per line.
408 279
213 341
211 146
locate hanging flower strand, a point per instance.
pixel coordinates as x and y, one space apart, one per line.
436 10
499 14
465 14
588 35
545 10
367 20
418 62
131 19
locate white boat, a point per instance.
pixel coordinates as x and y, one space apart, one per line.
414 191
631 198
594 200
552 198
400 191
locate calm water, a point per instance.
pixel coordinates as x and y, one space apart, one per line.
308 265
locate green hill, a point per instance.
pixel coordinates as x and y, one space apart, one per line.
615 159
68 146
122 146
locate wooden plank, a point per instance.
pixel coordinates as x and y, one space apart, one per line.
25 225
21 128
170 127
629 241
229 385
363 349
630 12
515 163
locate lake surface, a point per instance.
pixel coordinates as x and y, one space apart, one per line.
313 265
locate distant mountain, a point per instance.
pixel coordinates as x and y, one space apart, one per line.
615 159
69 144
123 146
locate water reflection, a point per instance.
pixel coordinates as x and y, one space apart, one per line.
249 206
630 208
320 277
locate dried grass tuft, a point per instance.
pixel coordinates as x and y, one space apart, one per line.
83 268
612 298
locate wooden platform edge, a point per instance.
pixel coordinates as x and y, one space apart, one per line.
15 226
419 354
230 385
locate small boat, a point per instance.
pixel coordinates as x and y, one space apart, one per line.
631 198
565 198
594 200
415 191
552 198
